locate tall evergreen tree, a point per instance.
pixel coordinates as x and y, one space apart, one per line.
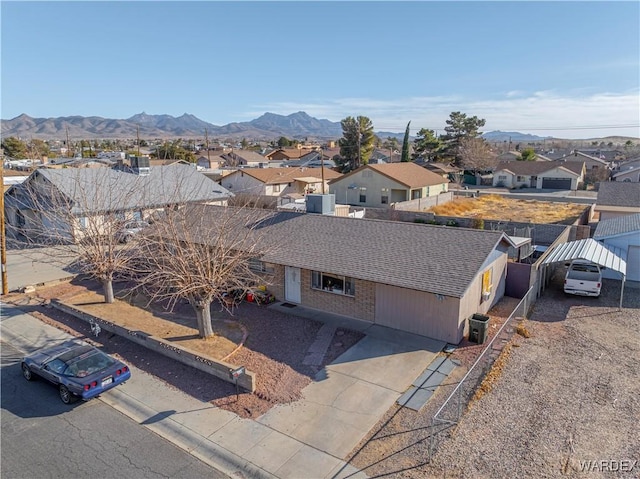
405 145
356 144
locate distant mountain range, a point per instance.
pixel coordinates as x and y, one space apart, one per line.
267 127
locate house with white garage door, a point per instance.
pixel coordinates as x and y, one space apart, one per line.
622 232
553 175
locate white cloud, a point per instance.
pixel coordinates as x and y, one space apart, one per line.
544 113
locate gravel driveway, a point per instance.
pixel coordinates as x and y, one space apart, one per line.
567 395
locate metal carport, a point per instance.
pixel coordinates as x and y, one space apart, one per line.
593 251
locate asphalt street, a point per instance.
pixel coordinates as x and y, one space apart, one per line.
43 438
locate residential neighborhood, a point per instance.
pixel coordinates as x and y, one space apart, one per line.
320 240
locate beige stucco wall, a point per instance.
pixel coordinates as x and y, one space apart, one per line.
374 183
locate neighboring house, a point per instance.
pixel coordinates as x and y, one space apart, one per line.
269 184
555 175
628 171
93 195
446 170
382 185
630 175
382 155
245 158
590 162
622 232
313 159
617 198
286 154
423 279
509 156
210 161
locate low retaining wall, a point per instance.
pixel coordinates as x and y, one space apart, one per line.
215 367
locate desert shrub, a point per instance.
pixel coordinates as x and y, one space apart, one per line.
477 223
452 223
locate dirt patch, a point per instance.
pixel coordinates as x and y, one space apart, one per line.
274 348
497 207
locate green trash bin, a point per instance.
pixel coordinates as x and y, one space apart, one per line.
478 328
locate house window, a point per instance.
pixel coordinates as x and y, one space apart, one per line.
486 285
502 177
384 199
415 194
521 178
363 195
333 284
84 222
276 188
260 266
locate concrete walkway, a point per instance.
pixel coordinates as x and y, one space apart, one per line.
305 439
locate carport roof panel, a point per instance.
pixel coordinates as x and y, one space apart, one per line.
589 250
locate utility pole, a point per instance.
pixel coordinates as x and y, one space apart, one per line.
3 237
206 142
138 138
68 144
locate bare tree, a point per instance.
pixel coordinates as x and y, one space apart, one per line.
85 215
476 155
202 254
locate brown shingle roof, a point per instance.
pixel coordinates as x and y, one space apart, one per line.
286 175
408 174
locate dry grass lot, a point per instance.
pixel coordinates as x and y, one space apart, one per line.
497 207
568 394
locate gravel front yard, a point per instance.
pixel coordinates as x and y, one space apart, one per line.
568 394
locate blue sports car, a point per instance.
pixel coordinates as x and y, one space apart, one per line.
79 370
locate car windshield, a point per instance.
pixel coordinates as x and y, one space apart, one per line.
88 363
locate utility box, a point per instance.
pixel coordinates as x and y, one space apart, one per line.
478 328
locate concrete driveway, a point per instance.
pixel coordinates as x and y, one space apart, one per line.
350 396
36 266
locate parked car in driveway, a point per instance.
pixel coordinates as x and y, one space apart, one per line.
78 370
130 229
583 278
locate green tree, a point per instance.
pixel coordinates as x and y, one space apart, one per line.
460 127
405 145
14 147
244 143
528 155
284 142
356 144
427 144
173 151
391 143
38 148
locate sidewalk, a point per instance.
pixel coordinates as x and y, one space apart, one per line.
237 447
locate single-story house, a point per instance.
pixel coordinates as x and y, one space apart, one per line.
628 171
210 161
245 158
285 154
617 198
64 204
384 184
629 175
270 184
555 175
622 232
590 162
312 159
423 279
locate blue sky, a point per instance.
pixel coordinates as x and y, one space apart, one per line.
567 69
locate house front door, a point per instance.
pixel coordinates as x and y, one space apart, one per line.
292 284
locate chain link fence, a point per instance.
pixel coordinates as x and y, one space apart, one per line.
447 417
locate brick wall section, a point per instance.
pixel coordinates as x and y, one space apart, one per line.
360 306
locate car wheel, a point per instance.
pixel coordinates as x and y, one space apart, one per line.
26 373
65 395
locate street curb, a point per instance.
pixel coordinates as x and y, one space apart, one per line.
181 436
44 284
